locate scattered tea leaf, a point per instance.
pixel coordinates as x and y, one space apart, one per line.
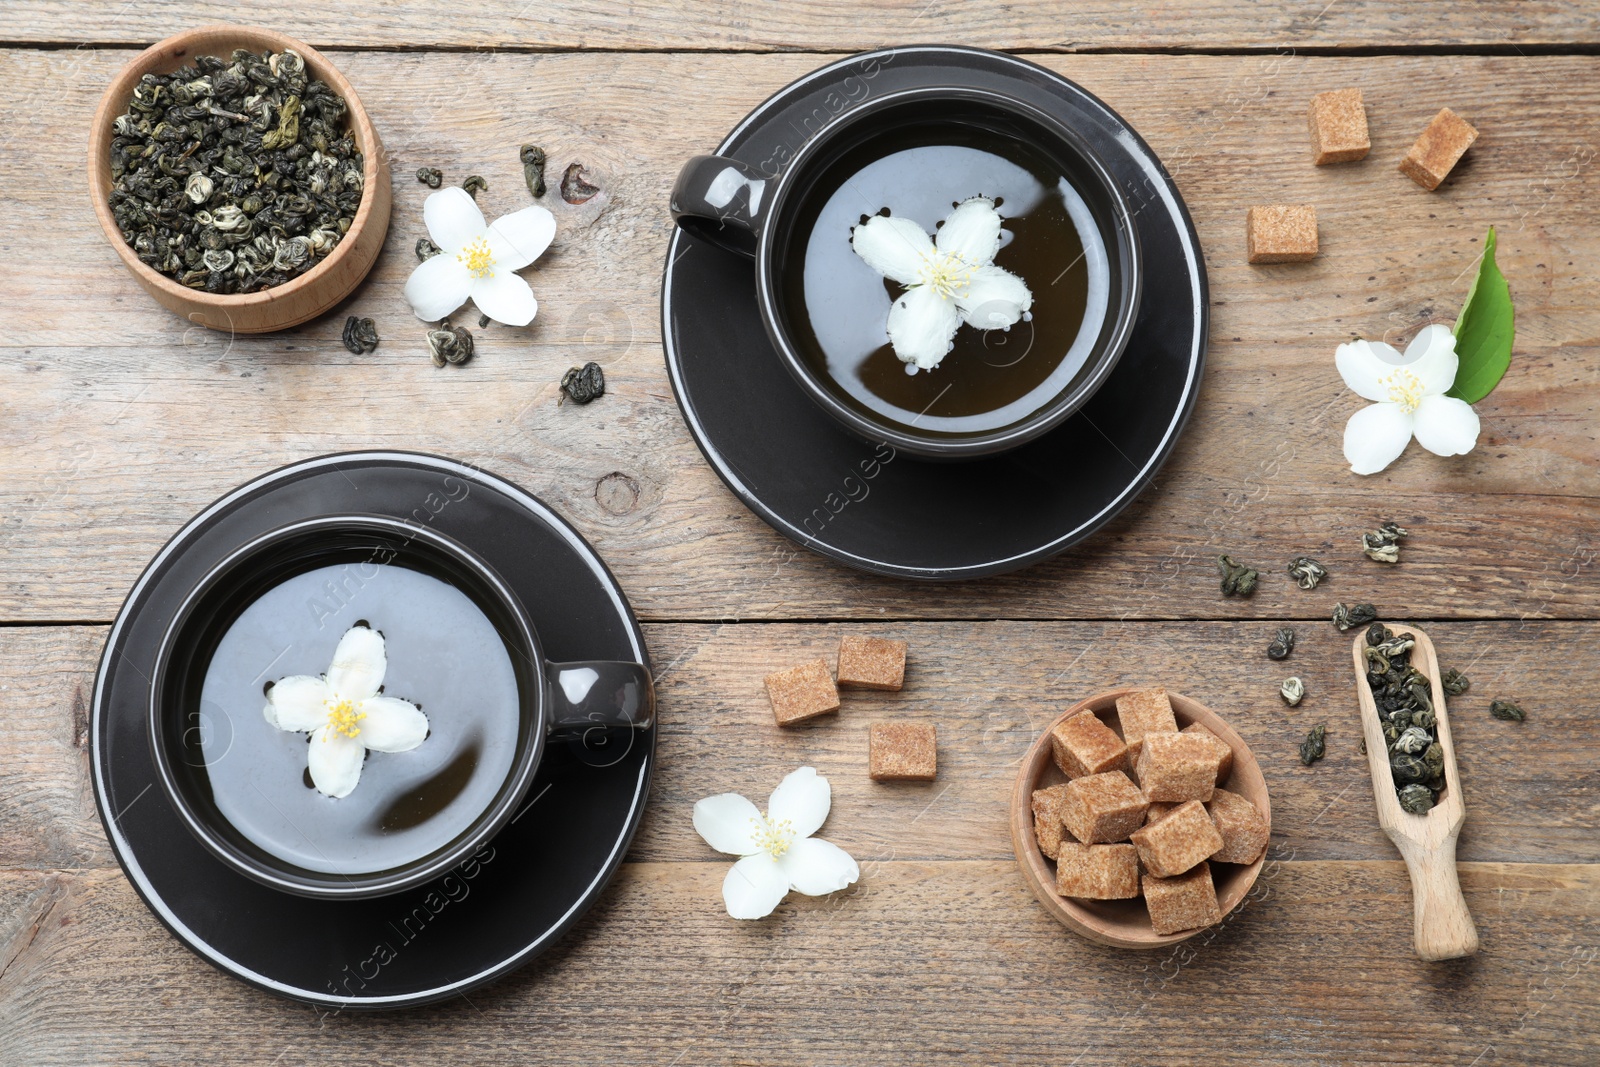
583 384
1293 690
360 335
1454 683
432 177
475 184
1383 544
533 160
1307 572
1237 579
1314 747
1283 644
449 345
1504 709
1356 615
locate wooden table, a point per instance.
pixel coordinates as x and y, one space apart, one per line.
119 423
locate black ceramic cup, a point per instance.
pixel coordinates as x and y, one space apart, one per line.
588 704
745 212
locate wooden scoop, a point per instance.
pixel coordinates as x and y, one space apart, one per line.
1427 842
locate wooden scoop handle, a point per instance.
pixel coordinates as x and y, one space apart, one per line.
1444 927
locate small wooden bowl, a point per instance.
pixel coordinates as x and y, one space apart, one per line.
1126 923
301 298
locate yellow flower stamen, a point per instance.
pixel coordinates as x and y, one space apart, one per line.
1405 389
773 838
342 717
477 258
947 275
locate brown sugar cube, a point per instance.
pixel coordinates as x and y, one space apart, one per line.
1102 808
1147 711
872 662
1177 767
1179 841
902 752
1047 828
1244 832
1157 810
1338 127
1224 749
1097 872
1281 233
1186 902
1440 147
802 692
1084 745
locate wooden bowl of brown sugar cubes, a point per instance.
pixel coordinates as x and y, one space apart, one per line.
1140 818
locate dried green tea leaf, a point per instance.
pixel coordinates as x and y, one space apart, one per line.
432 177
1383 544
1407 769
1416 799
1283 644
1357 615
533 160
583 384
1307 572
1237 579
475 184
1485 330
1293 690
1504 709
1454 683
449 345
1314 747
360 335
426 249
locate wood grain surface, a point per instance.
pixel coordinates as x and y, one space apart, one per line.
832 25
102 397
118 421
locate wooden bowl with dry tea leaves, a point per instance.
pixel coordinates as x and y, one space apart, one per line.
301 297
1126 923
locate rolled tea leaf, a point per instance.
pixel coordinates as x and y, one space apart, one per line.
1293 690
1504 709
1314 747
1416 799
583 384
1307 572
1237 579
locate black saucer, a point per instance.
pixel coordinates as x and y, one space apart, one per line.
893 514
536 878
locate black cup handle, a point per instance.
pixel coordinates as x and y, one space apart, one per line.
597 694
723 201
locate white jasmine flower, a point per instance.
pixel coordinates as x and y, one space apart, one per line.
949 280
344 713
478 261
1409 391
777 849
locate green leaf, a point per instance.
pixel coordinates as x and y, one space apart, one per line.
1484 331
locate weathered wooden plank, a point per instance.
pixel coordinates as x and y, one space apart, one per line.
831 25
989 688
927 961
103 397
